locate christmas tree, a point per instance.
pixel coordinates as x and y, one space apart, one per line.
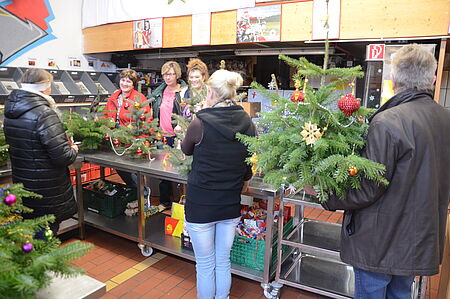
89 127
190 106
26 263
138 138
314 138
4 156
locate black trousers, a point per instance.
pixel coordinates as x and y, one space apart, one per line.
131 180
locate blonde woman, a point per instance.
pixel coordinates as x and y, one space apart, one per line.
218 175
167 99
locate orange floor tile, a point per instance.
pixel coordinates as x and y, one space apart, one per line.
118 263
113 261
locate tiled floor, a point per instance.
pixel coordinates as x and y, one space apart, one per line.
127 274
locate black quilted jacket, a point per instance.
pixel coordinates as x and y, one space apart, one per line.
400 230
40 154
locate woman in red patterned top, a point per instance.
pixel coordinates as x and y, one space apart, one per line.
117 110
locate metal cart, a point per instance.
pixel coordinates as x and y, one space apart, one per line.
308 258
149 232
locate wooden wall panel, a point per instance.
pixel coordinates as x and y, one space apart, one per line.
177 32
296 22
108 38
388 18
223 27
360 19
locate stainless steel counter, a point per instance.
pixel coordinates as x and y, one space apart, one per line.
149 232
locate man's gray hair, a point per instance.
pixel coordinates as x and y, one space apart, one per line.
413 67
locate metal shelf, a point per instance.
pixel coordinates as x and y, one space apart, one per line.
126 227
68 225
156 238
314 265
303 199
315 236
319 275
150 233
123 226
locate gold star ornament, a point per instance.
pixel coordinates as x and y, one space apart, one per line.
311 133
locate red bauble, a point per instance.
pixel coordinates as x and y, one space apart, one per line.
107 137
126 105
164 140
352 170
348 104
139 151
116 142
10 199
142 117
152 131
297 96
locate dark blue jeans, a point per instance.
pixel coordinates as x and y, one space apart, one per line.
371 285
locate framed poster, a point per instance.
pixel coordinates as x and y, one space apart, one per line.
147 33
258 24
75 62
52 63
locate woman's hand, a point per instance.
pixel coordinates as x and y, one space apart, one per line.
245 187
75 147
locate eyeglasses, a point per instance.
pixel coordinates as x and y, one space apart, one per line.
169 74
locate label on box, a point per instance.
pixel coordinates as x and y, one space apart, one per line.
246 200
111 193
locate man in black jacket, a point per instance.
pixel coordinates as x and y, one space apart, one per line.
391 234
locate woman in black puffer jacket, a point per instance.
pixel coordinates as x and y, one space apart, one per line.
39 150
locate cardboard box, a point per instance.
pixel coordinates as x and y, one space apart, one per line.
251 107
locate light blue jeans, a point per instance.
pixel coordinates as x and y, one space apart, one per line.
212 244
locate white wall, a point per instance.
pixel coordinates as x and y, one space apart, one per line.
67 42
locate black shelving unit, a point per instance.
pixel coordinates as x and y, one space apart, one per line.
9 80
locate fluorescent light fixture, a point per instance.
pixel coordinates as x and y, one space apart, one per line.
285 51
167 55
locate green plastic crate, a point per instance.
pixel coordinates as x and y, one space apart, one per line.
109 205
250 252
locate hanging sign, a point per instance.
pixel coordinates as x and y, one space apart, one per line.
375 52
